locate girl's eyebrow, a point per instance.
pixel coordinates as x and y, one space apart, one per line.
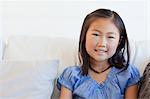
109 33
96 30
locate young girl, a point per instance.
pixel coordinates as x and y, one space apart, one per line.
104 72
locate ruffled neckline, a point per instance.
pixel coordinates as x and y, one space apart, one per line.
110 77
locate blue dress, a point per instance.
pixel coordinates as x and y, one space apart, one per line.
84 87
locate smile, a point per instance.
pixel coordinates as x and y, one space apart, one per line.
100 50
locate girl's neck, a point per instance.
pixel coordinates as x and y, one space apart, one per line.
99 66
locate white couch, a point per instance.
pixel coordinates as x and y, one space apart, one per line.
30 64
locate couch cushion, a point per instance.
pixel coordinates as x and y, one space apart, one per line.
40 48
26 48
140 54
27 79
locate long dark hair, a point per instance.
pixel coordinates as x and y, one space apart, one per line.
118 60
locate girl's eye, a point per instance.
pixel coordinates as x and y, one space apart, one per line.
111 37
95 34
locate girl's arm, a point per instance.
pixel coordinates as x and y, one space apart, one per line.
65 93
131 92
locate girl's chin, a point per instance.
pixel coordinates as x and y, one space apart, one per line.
101 59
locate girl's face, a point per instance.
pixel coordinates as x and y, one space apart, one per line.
102 39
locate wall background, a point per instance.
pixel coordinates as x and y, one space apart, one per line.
63 18
1 45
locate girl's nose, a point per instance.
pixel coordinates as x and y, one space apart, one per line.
102 42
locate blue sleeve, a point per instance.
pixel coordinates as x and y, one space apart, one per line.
128 77
68 78
134 76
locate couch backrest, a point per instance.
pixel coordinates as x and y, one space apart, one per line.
1 49
42 48
140 54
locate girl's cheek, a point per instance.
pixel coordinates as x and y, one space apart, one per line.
95 40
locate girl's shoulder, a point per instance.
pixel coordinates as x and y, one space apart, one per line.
69 77
128 77
133 71
130 70
72 70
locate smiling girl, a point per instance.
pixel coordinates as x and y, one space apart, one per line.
103 73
